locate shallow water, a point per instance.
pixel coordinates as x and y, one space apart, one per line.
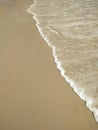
71 28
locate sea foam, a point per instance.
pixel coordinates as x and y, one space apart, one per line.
70 28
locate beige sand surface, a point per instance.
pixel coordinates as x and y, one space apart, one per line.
33 95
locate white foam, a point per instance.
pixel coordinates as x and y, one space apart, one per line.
51 29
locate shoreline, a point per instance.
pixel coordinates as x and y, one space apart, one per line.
33 95
71 83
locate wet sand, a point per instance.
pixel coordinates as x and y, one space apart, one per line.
33 95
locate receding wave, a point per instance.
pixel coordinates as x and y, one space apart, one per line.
70 27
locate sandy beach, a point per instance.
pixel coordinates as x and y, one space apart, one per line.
33 95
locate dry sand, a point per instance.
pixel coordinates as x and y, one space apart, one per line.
33 95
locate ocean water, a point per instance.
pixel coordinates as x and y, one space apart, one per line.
70 28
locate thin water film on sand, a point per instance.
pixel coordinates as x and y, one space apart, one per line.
71 28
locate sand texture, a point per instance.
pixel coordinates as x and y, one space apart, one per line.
33 95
